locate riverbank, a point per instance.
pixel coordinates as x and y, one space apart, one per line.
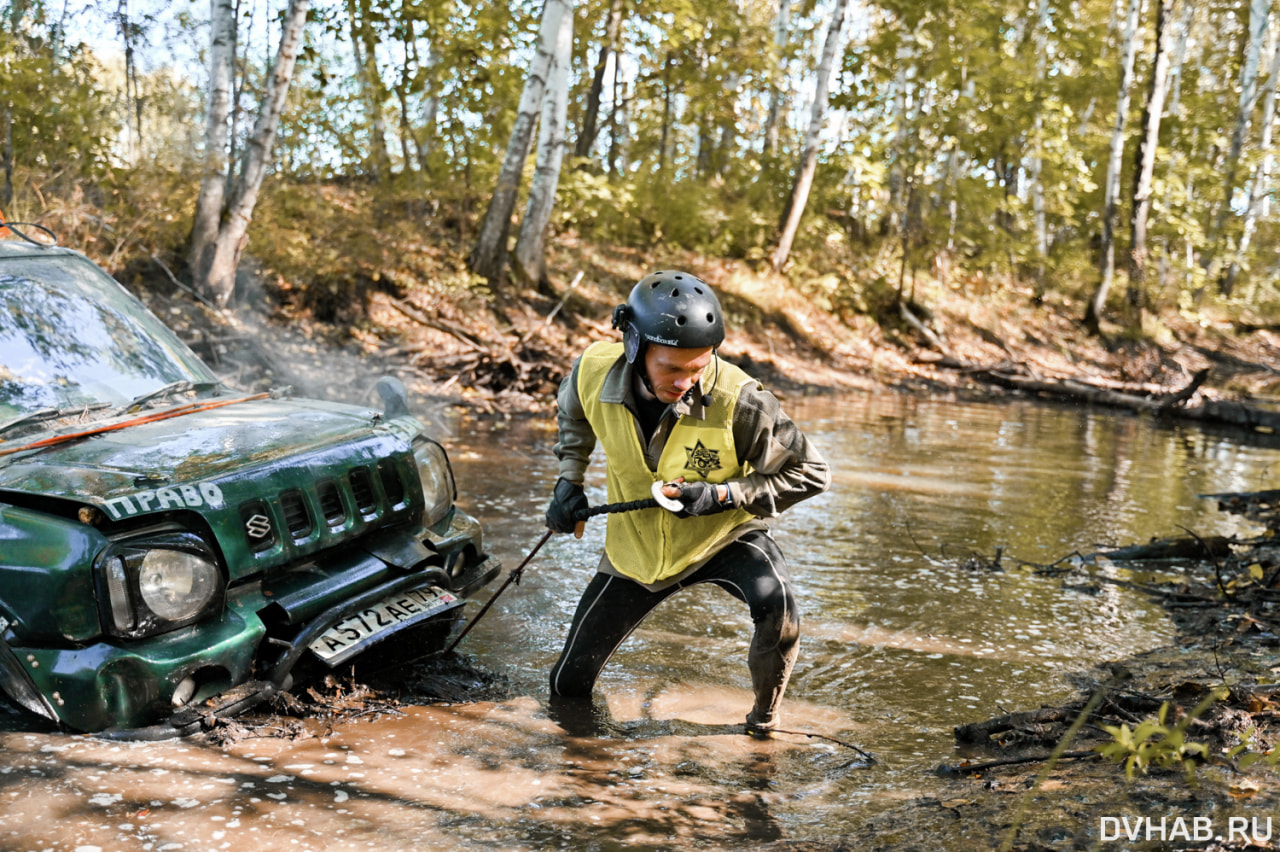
457 344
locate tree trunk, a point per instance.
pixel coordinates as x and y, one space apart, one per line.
1260 184
132 99
488 257
1037 158
531 242
364 43
897 178
1180 58
213 184
430 111
813 138
777 82
723 147
1258 19
408 58
1093 315
219 258
591 116
1145 166
666 113
615 161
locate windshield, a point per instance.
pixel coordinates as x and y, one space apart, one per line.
71 336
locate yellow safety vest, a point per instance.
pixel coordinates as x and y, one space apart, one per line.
653 544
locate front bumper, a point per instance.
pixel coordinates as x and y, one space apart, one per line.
223 666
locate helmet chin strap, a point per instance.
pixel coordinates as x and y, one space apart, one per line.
644 375
707 398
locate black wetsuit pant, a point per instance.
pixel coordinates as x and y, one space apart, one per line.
751 569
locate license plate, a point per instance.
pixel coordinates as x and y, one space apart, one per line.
380 620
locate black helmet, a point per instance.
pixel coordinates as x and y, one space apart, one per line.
671 309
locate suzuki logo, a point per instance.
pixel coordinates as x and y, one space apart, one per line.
258 526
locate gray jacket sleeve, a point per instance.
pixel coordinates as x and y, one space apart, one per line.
577 439
786 466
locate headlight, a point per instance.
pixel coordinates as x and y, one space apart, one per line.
437 479
176 585
159 583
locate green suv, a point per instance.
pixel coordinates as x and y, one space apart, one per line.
171 550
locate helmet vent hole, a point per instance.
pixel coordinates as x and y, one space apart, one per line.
680 320
711 319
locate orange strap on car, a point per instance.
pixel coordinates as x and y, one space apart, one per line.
191 408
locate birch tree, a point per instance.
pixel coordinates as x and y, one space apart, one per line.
1145 167
1260 183
488 257
1037 159
209 204
224 208
813 139
777 80
1257 28
531 242
1111 189
129 34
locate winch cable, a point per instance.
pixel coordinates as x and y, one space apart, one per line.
514 576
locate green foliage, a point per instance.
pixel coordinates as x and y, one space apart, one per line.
704 215
1155 743
53 116
957 130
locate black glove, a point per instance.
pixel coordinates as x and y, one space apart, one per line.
700 498
566 503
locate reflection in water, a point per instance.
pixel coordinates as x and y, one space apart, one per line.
909 630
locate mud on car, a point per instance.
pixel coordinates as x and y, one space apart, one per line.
172 550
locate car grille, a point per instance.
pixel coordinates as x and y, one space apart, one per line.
298 515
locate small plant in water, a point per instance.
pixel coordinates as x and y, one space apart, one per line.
1153 742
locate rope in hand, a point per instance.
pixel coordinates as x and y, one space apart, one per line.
514 577
614 508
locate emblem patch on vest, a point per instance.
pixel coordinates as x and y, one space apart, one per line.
701 460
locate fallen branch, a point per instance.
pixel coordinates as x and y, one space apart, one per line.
1209 410
173 279
1168 548
422 319
982 732
537 329
926 332
1072 389
966 768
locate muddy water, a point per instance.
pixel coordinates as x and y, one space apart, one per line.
910 628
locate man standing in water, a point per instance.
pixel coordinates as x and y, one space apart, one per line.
666 408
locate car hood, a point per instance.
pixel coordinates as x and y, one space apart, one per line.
215 462
203 446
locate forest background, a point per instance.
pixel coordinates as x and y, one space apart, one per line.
891 189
